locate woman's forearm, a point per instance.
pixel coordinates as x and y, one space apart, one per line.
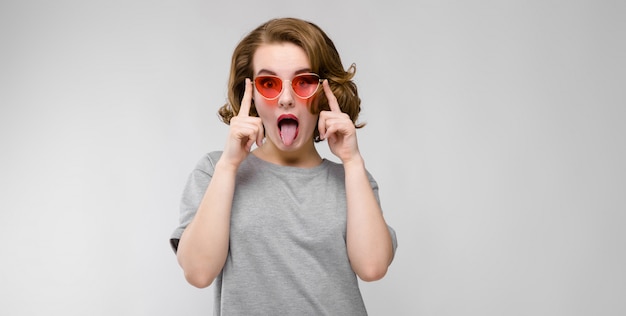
203 246
368 240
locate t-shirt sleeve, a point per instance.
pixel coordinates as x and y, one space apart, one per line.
196 185
394 240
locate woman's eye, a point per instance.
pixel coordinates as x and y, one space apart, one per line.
268 83
301 82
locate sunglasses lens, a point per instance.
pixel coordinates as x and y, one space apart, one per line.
305 85
268 86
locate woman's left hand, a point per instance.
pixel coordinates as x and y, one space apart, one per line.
338 129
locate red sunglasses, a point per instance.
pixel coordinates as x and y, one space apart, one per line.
303 85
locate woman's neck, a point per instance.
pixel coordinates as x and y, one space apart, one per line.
303 157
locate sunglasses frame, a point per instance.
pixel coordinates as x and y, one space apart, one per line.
282 87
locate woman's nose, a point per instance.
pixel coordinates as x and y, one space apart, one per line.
286 97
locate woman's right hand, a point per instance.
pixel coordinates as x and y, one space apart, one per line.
245 130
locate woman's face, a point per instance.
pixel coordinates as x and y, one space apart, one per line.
287 120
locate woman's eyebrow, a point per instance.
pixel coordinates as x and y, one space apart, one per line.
269 72
303 71
265 71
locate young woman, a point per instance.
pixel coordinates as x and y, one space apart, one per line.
279 229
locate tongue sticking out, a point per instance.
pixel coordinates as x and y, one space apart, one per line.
288 131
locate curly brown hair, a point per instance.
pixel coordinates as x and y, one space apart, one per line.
323 56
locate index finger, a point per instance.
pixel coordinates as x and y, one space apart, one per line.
332 100
244 108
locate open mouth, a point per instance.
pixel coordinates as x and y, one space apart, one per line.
288 127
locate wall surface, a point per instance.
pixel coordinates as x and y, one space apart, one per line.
495 130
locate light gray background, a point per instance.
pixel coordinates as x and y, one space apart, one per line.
495 132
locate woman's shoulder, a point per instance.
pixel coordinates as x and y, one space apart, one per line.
207 161
214 156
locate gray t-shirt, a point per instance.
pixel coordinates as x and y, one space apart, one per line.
287 253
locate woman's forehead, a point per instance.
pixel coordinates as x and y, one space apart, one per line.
280 59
